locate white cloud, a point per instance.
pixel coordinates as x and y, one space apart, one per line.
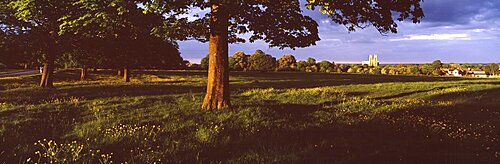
479 30
194 60
194 11
331 40
434 37
325 21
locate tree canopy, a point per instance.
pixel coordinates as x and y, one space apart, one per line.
281 23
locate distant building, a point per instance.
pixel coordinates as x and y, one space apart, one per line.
372 61
456 72
478 73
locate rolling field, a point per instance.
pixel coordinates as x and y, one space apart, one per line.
275 118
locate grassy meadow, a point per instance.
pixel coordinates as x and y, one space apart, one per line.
275 118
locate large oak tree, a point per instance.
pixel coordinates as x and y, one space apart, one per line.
281 24
39 19
137 38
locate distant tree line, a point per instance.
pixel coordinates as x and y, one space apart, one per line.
259 61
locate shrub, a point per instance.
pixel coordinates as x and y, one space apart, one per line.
286 62
312 68
326 66
261 62
412 70
393 72
351 70
375 71
437 73
385 71
311 61
301 65
491 69
437 64
239 61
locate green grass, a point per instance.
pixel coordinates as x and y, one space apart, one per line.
275 118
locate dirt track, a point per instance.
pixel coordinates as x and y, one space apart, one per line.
30 72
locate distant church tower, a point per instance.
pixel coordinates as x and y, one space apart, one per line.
373 61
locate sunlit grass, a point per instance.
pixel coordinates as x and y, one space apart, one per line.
280 117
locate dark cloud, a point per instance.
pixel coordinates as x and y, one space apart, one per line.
460 12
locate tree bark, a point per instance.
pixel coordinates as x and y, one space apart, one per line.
217 96
83 74
126 74
48 72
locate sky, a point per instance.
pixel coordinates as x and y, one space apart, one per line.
453 31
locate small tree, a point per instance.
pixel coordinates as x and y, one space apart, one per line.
301 65
393 72
412 70
375 71
286 62
76 58
41 18
491 69
426 69
342 68
239 61
351 70
261 62
363 70
437 72
326 66
311 61
437 64
384 71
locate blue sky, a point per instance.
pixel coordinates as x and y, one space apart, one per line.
458 31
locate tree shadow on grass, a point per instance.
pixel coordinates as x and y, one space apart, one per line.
470 124
305 80
463 132
37 96
362 143
295 110
409 93
468 106
314 82
24 128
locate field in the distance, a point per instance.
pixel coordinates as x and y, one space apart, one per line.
275 118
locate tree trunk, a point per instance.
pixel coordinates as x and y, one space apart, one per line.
48 72
217 96
120 72
126 74
83 74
